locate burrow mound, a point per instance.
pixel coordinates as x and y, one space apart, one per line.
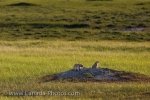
22 4
96 75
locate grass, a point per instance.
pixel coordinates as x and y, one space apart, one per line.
75 20
24 62
42 37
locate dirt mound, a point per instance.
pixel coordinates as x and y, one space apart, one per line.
22 4
95 75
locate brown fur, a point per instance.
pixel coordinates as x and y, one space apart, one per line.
96 64
78 67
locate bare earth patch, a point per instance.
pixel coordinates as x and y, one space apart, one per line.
22 4
96 75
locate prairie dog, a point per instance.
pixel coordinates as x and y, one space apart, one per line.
77 67
96 64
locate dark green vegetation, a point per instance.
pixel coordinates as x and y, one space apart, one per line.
75 19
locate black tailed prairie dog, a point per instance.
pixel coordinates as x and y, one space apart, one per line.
77 67
96 64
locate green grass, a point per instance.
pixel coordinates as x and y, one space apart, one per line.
51 35
22 63
75 20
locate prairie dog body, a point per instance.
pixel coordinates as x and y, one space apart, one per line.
78 67
96 64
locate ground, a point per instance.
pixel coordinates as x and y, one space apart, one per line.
42 37
95 75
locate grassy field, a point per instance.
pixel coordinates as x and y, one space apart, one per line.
75 20
22 63
42 37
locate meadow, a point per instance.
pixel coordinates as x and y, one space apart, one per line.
23 63
75 20
43 37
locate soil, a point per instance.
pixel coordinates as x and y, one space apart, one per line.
22 4
96 75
